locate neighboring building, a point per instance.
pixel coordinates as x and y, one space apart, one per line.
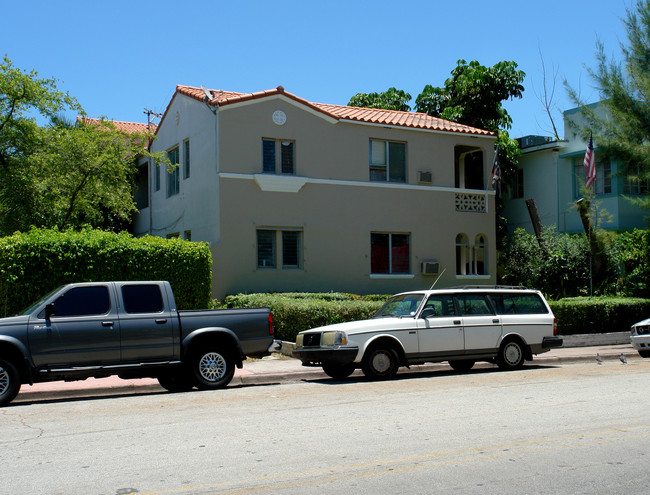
552 173
301 196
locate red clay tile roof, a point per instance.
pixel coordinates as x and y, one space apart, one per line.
339 112
128 127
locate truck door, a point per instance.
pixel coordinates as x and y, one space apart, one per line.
441 331
481 326
84 329
147 324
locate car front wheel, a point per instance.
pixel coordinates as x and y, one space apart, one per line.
380 363
9 382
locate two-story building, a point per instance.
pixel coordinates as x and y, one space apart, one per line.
300 196
552 173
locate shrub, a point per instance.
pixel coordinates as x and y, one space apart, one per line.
295 312
632 252
579 315
34 263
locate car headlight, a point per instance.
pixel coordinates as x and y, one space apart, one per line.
334 338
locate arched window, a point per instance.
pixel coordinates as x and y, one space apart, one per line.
479 255
471 259
462 255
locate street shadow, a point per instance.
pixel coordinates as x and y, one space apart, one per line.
414 374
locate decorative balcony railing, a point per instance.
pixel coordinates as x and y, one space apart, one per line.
471 202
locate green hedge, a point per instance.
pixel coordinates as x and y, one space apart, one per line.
34 263
294 312
579 315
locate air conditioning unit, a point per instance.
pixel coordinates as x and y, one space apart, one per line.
430 268
425 177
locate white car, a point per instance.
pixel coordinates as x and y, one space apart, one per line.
640 337
461 326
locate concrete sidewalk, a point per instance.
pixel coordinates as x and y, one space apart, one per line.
282 369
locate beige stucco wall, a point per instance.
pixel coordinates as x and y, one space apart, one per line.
335 206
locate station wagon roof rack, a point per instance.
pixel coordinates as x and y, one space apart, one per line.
517 287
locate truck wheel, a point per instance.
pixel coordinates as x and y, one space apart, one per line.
9 382
338 372
511 355
175 383
212 368
380 363
462 366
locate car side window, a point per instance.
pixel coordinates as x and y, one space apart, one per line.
473 304
145 298
518 304
83 301
440 305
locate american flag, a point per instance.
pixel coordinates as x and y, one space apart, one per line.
590 163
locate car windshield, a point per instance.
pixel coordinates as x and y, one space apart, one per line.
33 306
400 306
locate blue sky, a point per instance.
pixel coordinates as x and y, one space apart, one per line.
120 57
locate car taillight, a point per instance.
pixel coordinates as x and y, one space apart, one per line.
555 327
270 324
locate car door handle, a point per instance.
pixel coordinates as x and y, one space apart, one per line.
496 320
107 323
160 321
456 322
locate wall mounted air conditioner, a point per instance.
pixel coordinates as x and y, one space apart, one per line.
430 268
425 177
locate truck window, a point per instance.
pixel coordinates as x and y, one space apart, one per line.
83 301
142 298
473 304
518 304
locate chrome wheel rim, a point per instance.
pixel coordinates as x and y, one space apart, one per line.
512 354
4 380
212 366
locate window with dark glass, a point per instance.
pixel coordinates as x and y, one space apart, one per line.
387 161
186 159
266 248
142 299
278 156
286 243
173 176
389 253
83 301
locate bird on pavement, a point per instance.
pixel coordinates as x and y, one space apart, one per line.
623 358
599 360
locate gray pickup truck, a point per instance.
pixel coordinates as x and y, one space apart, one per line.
128 329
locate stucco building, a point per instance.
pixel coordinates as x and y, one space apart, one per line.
300 196
552 173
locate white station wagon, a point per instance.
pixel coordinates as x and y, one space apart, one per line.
502 325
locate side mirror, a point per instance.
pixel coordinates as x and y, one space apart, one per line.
49 311
428 313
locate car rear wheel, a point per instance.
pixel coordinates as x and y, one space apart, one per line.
338 372
644 354
9 382
462 365
380 363
212 368
511 355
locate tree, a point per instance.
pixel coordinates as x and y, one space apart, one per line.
391 99
62 174
622 131
473 95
